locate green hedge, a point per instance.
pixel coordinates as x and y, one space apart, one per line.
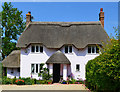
103 72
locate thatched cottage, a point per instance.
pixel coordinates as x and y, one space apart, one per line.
64 47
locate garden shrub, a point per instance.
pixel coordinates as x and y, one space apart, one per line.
102 73
6 80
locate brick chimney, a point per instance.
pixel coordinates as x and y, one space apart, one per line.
101 16
28 18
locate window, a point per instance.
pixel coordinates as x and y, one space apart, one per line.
89 49
33 48
32 68
68 49
37 48
77 67
36 68
93 49
41 48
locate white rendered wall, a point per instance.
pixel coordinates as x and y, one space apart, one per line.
33 58
12 75
79 57
76 57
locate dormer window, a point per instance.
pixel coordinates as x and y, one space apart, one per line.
68 49
37 48
93 49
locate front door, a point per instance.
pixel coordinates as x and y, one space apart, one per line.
56 73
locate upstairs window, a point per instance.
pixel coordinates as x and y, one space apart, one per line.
93 49
37 48
33 49
68 49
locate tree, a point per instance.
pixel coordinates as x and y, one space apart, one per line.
12 26
103 72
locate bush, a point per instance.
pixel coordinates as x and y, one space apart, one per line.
102 73
41 82
28 81
6 80
13 80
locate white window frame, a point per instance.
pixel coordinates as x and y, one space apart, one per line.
68 49
91 49
35 68
35 48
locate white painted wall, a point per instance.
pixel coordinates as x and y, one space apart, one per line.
33 58
12 75
76 57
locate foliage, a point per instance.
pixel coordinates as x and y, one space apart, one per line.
104 71
19 82
28 81
44 72
12 27
6 80
41 82
13 80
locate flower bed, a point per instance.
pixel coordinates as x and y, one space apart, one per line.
19 82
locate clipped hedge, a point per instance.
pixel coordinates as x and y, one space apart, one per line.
103 72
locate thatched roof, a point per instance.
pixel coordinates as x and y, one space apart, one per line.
12 60
58 58
57 34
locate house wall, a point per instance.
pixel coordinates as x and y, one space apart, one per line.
12 75
76 57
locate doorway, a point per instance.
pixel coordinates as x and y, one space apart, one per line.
56 73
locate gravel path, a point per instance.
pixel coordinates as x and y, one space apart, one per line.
45 87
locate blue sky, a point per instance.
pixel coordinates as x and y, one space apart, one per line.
71 11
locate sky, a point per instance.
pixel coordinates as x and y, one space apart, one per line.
72 12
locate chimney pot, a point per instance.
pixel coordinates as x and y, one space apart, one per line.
28 18
101 9
101 16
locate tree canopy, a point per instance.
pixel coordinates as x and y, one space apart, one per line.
12 26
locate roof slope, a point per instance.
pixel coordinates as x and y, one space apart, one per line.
56 34
58 58
12 60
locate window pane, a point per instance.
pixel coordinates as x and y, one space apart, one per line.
97 49
36 68
33 48
70 49
36 48
66 49
41 48
32 68
77 67
39 68
89 49
93 50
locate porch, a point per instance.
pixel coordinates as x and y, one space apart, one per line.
59 66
